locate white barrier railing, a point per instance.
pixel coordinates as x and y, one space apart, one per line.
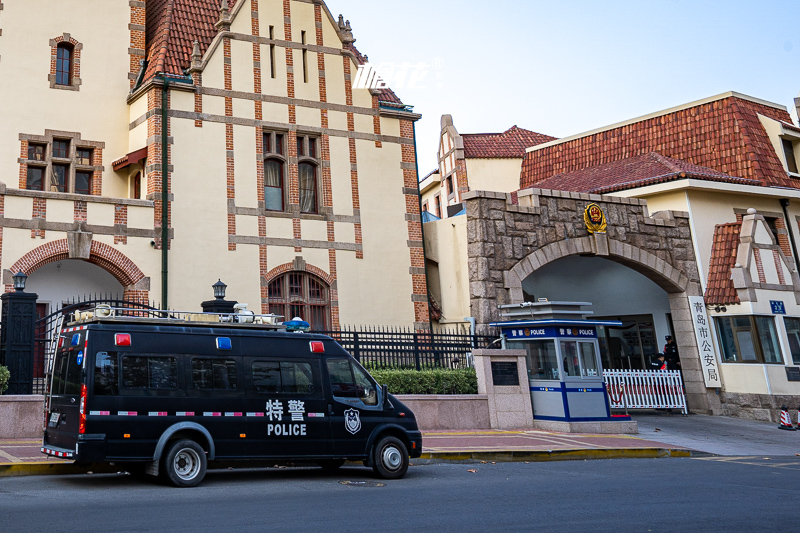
645 389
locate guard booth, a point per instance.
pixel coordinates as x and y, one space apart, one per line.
563 357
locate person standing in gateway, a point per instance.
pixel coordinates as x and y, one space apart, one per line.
671 354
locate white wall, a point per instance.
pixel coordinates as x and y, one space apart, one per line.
71 278
613 289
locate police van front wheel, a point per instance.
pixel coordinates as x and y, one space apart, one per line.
185 463
390 459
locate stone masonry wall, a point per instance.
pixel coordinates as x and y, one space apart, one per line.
512 235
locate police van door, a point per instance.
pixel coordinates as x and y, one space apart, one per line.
286 408
354 408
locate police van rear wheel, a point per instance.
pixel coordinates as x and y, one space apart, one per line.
390 458
185 463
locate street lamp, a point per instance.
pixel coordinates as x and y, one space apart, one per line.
219 290
19 280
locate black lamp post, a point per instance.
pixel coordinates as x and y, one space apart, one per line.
219 304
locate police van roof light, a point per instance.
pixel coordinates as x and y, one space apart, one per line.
122 339
317 347
224 343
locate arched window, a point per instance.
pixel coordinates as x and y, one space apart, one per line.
300 294
274 171
64 54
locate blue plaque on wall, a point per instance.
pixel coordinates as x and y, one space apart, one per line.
778 308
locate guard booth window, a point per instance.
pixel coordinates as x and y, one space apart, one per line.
579 358
542 358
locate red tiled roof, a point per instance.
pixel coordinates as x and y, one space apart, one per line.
637 171
174 25
511 143
725 135
719 289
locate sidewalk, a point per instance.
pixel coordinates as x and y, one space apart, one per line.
23 456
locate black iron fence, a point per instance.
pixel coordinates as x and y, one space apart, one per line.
401 348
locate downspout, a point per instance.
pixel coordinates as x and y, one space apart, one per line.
785 206
164 197
422 230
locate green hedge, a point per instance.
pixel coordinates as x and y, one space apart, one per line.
435 381
5 375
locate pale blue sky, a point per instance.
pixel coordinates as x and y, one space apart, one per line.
564 67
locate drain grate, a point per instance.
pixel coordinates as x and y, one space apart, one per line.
362 483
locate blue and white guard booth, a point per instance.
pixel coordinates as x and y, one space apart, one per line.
563 358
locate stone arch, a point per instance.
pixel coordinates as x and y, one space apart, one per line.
669 278
132 279
311 269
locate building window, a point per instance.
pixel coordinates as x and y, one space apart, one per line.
274 171
307 170
60 166
64 64
788 151
793 332
299 294
449 183
437 203
748 339
305 57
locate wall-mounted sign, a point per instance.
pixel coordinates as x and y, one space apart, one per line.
586 332
792 373
595 219
778 308
705 344
505 373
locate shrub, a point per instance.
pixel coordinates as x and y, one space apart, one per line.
434 381
5 375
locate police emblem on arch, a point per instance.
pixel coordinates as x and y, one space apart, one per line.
352 421
595 219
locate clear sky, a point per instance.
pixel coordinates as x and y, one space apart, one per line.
567 66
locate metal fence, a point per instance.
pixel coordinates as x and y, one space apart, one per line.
645 389
402 348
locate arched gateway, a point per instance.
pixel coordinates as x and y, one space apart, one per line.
512 237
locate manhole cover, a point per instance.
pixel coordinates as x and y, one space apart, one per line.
363 483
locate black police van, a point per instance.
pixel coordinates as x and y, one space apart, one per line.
168 395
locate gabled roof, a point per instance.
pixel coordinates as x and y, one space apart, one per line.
637 171
511 144
174 25
719 288
722 133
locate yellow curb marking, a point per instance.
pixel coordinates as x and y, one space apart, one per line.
10 457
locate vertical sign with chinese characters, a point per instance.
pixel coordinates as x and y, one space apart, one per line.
705 344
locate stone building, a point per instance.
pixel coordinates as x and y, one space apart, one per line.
152 147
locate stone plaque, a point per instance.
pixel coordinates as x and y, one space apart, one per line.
793 373
505 374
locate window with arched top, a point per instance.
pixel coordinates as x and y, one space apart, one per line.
274 171
64 61
300 294
308 157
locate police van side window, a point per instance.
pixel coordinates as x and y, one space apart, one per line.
214 374
149 372
282 377
351 381
106 374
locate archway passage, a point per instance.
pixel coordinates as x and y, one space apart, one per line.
616 292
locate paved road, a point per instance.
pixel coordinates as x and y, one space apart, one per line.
718 434
710 494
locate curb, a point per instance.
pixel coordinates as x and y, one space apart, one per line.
66 469
553 455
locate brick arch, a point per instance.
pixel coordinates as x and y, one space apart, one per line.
311 269
109 259
669 278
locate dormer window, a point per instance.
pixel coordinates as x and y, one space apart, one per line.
788 152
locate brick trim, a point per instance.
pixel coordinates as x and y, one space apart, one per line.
301 266
109 259
75 75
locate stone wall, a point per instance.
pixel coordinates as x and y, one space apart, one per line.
510 236
761 407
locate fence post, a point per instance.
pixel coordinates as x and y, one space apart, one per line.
356 347
17 339
416 351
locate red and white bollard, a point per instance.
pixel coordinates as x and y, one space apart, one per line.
786 421
798 418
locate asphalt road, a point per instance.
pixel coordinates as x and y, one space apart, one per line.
708 494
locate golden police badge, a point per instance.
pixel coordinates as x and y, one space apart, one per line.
595 219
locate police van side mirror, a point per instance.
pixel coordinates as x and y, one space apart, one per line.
387 405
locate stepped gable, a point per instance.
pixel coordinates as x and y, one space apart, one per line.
510 144
722 133
637 171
